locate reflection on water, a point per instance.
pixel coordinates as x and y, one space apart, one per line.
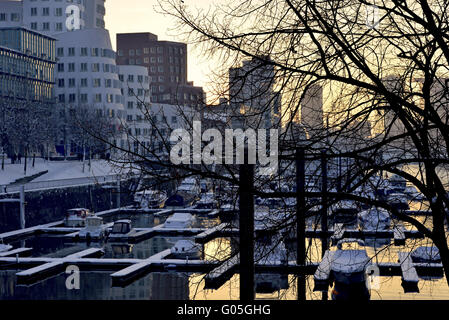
182 286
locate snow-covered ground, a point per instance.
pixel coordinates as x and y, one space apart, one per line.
57 170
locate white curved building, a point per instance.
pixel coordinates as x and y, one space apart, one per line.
87 75
50 16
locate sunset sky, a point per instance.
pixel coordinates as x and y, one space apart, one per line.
141 16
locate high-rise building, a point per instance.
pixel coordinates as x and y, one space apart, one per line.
53 16
27 61
252 94
312 110
166 62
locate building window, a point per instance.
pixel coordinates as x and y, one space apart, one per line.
96 83
46 26
15 17
130 78
58 12
71 52
131 52
130 105
61 83
61 98
146 50
33 11
60 52
139 79
98 97
95 67
83 98
83 67
83 82
46 11
72 97
72 67
60 67
131 61
58 26
83 52
3 16
71 82
138 52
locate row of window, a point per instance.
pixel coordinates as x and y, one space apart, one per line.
84 52
28 42
84 83
138 52
86 98
14 17
131 77
155 119
84 67
15 87
24 66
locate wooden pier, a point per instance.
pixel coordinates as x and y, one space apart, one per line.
53 267
410 277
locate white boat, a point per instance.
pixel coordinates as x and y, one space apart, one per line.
76 218
186 249
179 221
398 201
350 261
121 229
207 201
413 193
396 184
374 219
344 211
151 199
95 229
5 247
426 254
189 190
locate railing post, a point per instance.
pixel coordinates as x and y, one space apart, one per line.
300 221
118 192
246 230
22 207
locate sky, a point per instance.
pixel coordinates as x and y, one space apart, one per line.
141 16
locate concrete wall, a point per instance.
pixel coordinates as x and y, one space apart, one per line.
50 205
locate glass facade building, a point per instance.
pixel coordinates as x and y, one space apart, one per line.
27 63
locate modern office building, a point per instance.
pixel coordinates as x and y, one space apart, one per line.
27 63
252 94
166 62
312 110
51 16
87 76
